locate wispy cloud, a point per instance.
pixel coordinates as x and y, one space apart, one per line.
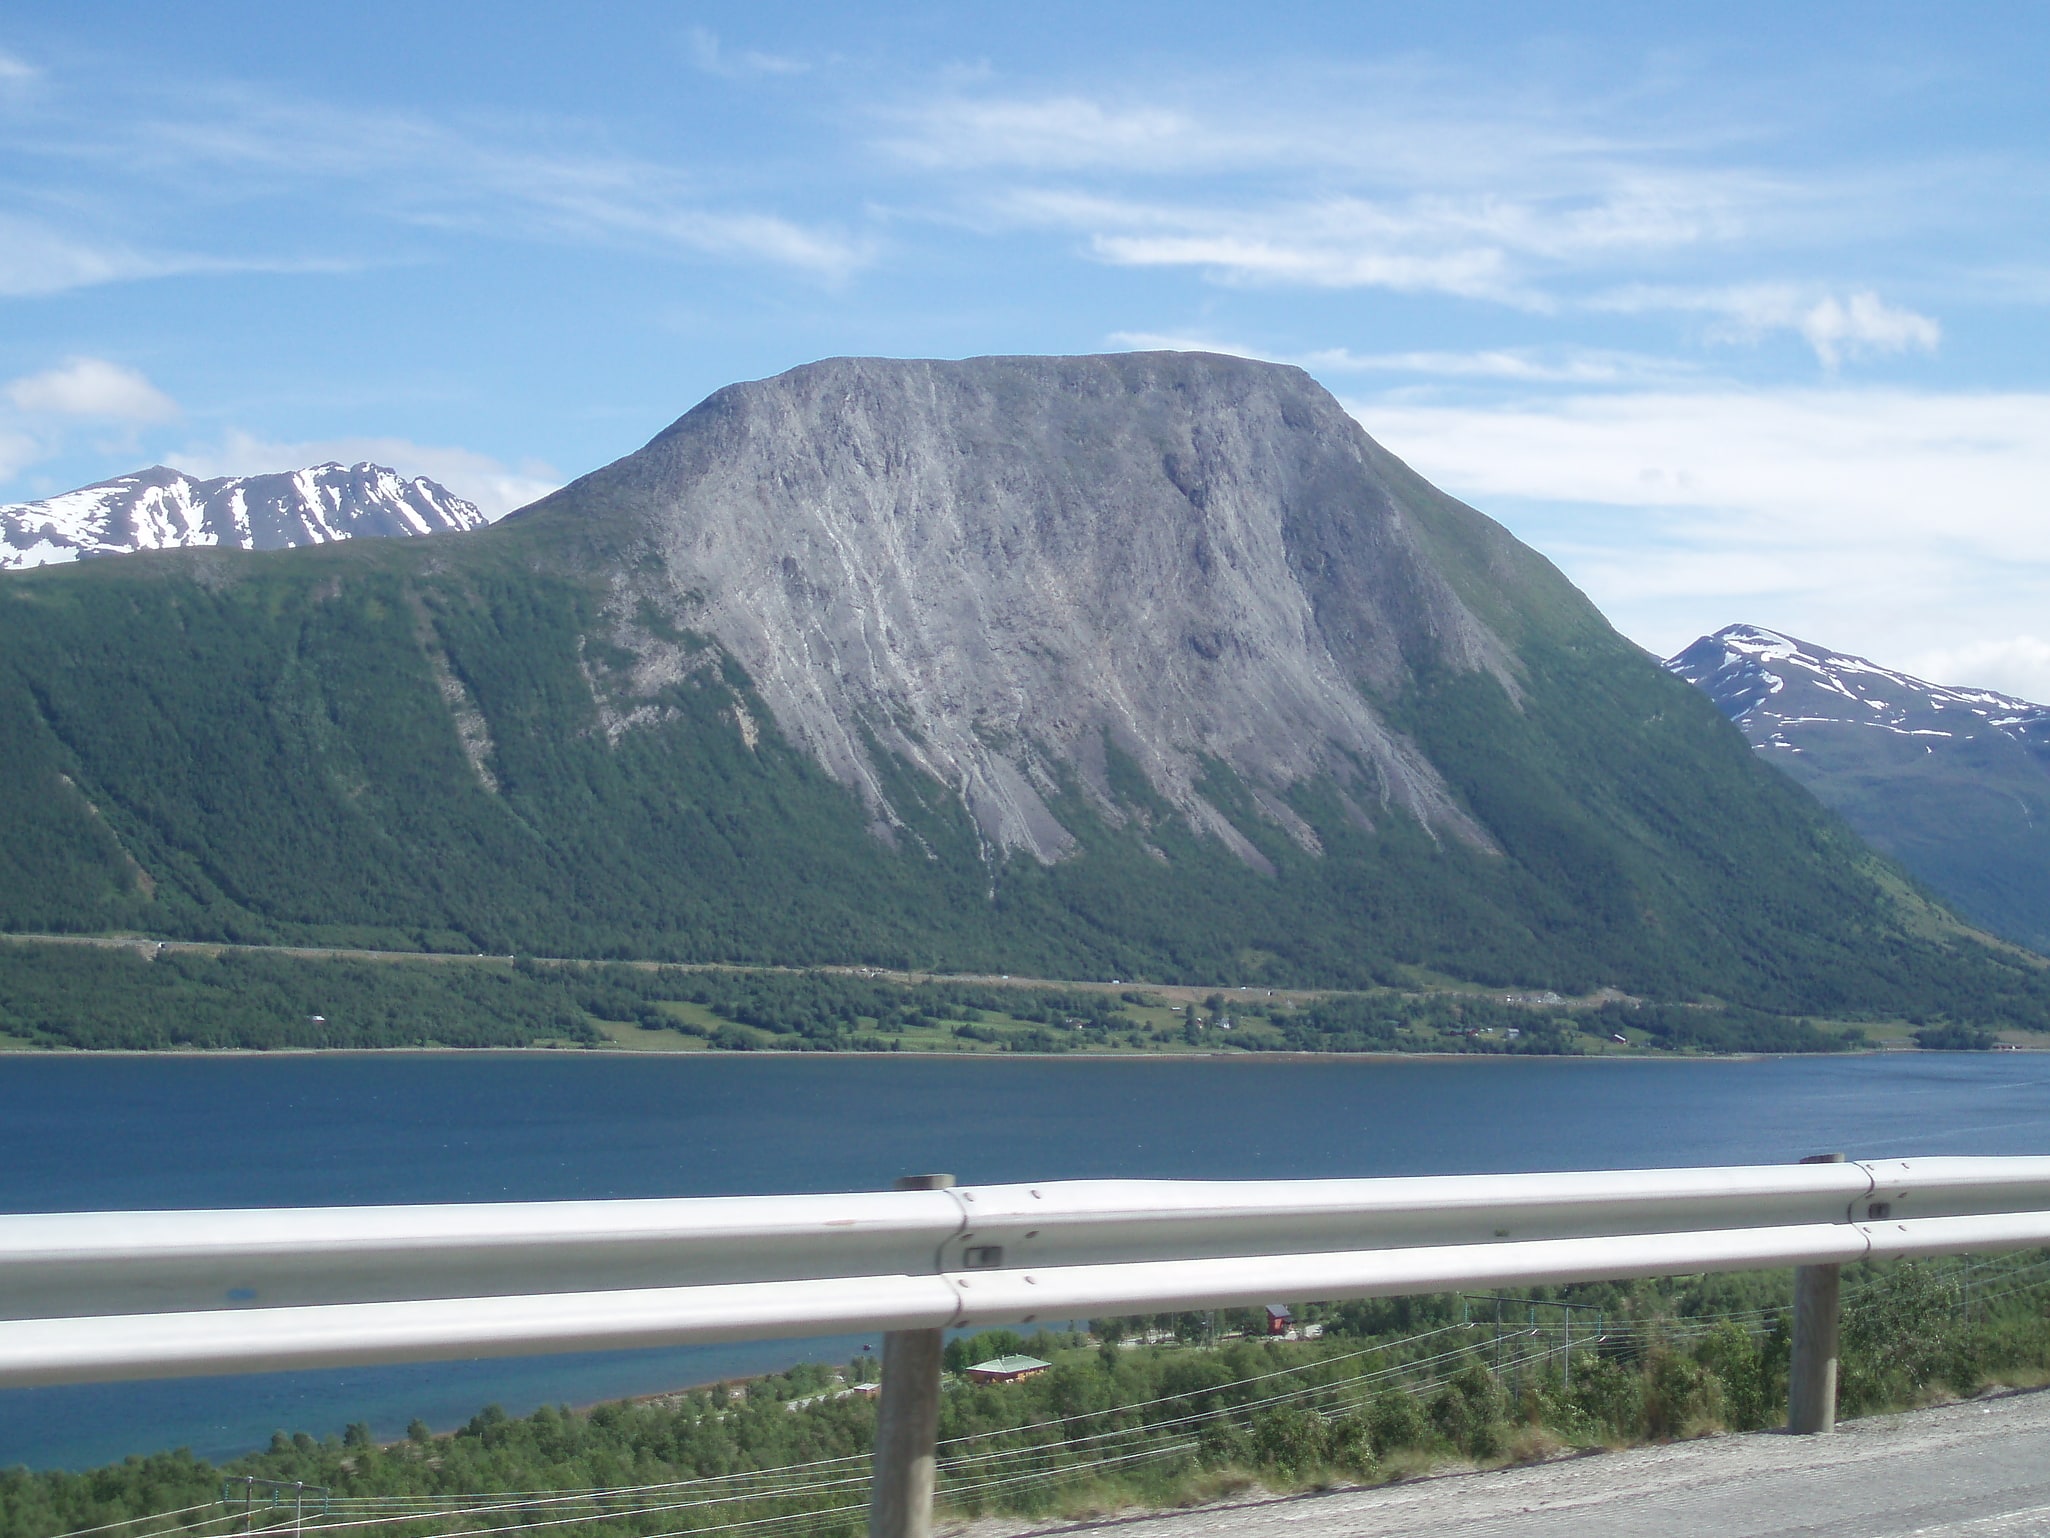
35 259
1482 243
1405 180
14 71
1837 326
1337 242
1874 520
42 414
1067 133
714 58
2015 664
1518 365
494 486
92 387
18 450
491 181
222 144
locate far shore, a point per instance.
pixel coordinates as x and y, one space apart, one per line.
768 1053
1171 994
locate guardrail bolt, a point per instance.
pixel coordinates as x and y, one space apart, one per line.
908 1420
1811 1380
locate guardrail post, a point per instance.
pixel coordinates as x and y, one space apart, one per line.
1811 1379
908 1420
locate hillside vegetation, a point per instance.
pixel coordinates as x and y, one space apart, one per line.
528 739
142 998
1148 1413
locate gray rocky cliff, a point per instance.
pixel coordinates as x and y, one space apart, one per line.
1003 569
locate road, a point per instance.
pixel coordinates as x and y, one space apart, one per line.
1175 993
1975 1470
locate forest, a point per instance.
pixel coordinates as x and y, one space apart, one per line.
142 997
339 747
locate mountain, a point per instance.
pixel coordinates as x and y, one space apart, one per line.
1954 783
1145 666
160 509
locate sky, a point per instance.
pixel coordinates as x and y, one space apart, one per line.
1738 313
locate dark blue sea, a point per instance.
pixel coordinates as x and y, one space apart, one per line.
94 1133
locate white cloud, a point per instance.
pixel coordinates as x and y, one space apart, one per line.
1861 324
1386 178
1066 133
1838 327
36 260
1504 241
2018 665
1896 524
1520 365
222 145
711 56
439 175
1338 243
92 387
1165 341
18 450
1397 126
14 71
1254 254
488 482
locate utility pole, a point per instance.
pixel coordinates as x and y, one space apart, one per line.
908 1420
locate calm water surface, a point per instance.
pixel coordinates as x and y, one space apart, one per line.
84 1133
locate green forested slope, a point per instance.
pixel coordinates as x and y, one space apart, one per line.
264 748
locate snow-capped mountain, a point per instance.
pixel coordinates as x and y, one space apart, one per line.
1775 685
1954 783
162 509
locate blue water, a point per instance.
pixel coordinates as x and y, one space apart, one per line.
88 1133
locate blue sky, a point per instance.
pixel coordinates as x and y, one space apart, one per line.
1735 316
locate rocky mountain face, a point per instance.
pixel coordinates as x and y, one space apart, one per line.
1145 666
1003 570
1955 783
162 509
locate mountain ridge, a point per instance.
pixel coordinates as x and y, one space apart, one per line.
1952 782
160 508
567 734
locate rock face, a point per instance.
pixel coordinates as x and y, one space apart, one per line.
1954 783
1011 571
162 509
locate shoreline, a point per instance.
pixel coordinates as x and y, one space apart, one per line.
28 1050
1170 993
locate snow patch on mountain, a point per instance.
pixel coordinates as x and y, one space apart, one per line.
1768 682
164 509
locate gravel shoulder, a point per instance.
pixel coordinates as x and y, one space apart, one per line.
1979 1469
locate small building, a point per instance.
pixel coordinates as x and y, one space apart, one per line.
1006 1369
1279 1320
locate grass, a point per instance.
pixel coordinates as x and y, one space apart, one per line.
635 1038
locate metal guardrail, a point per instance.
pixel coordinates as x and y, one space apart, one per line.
86 1296
117 1295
